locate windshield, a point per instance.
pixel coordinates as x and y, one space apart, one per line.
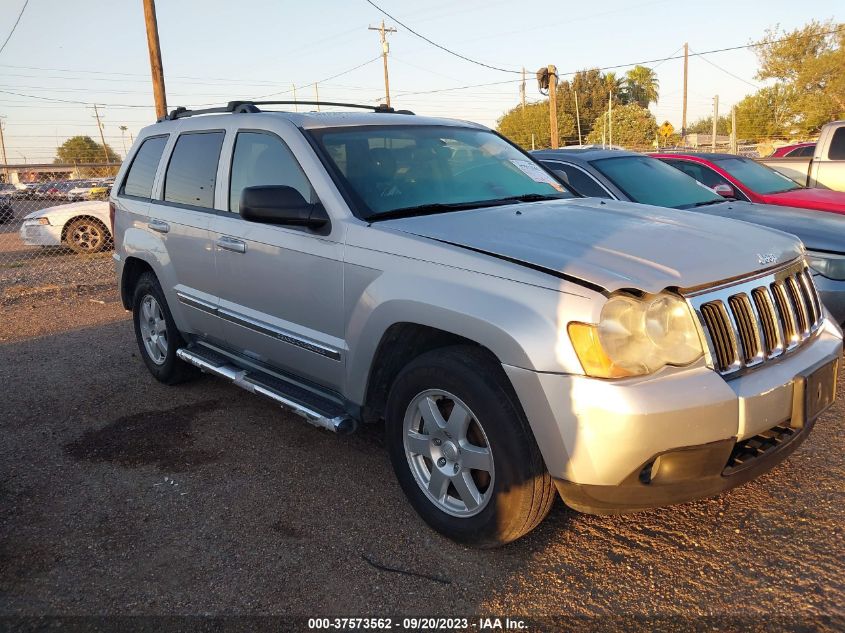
650 181
755 176
391 169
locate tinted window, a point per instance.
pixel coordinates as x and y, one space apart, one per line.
837 145
650 181
139 180
802 152
193 169
755 176
264 159
402 167
578 180
702 174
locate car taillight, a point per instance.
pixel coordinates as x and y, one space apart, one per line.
111 216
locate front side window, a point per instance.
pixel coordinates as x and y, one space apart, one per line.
142 172
192 171
651 181
837 145
264 159
755 176
398 168
578 180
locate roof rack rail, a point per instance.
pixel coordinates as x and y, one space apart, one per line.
246 107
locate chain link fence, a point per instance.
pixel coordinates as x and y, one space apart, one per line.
55 232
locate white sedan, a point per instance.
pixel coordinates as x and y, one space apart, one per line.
81 226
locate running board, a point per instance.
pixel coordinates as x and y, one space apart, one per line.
318 411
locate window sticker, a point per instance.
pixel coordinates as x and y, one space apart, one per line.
535 173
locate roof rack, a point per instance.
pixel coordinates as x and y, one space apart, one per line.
246 107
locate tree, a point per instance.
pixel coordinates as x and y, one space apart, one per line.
519 125
704 125
767 113
84 149
615 86
642 86
808 63
633 127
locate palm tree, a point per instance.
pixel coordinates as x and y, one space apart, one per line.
123 129
615 86
642 86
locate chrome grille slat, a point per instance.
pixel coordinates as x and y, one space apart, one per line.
749 323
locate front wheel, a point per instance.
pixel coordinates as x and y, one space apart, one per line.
463 451
85 235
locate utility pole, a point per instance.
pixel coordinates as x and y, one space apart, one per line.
522 89
295 107
317 95
102 138
734 148
715 122
3 146
385 49
553 106
610 121
578 118
684 116
155 58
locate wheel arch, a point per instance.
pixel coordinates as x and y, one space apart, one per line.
85 216
133 268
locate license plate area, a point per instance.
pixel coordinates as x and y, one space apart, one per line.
815 390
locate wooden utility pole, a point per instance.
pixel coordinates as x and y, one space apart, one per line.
715 122
317 95
3 146
102 137
734 148
522 89
295 107
684 115
555 141
155 58
610 121
578 118
385 49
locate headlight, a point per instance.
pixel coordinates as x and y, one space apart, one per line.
827 264
34 221
637 336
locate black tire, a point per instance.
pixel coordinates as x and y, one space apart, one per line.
87 235
522 490
172 370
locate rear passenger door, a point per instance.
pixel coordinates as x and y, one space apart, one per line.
180 216
280 287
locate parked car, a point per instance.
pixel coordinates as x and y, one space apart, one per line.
99 191
7 211
83 227
795 150
81 190
622 175
825 167
515 338
745 179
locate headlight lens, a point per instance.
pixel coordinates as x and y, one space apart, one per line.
827 264
35 221
637 336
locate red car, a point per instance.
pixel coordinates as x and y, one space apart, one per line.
798 150
745 179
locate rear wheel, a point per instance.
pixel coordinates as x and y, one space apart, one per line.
85 235
156 333
463 451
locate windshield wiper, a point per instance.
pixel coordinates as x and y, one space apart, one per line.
707 202
532 197
433 208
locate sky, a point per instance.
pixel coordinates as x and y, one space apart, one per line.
95 51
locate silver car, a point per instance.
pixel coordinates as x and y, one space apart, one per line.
518 341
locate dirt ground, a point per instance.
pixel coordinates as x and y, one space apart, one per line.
119 495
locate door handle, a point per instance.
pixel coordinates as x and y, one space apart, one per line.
159 226
231 244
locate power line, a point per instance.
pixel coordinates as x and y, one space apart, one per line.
14 26
345 72
442 48
727 72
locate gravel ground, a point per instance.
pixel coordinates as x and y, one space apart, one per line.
122 496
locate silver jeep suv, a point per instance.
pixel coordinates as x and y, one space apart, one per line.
517 340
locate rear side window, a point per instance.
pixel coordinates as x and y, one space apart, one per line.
192 171
837 145
139 179
578 180
264 159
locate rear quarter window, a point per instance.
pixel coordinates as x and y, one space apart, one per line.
142 171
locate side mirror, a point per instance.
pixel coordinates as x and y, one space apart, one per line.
726 191
280 204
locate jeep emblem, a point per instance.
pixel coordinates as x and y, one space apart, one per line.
768 258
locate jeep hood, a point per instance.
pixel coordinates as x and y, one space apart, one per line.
611 245
818 230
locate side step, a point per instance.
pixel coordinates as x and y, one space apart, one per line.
318 411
